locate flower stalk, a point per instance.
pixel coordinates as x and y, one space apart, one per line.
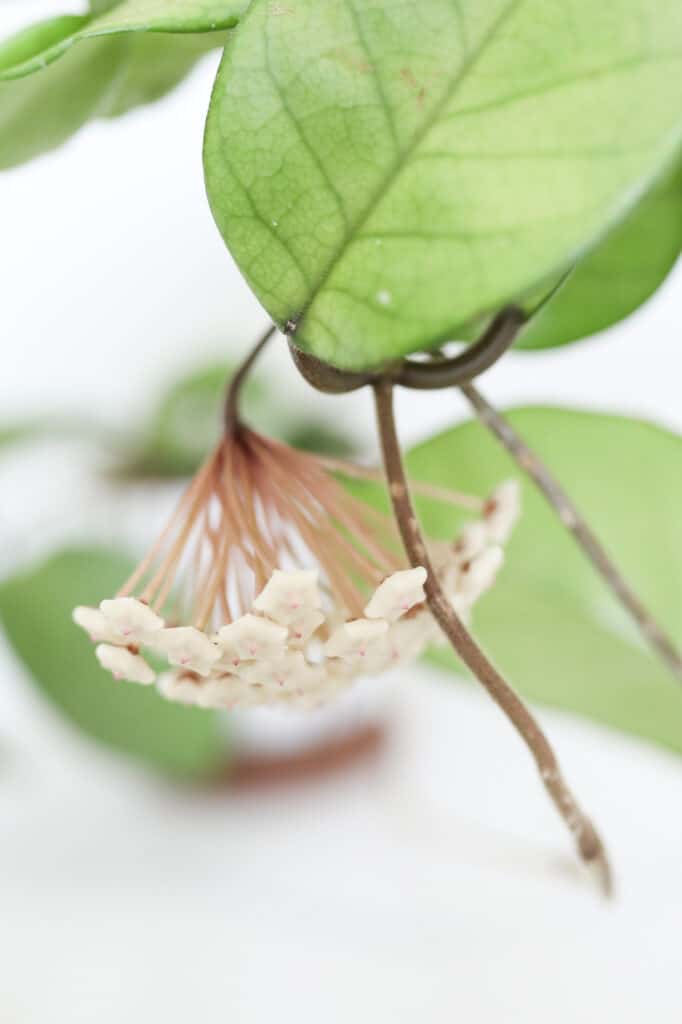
587 839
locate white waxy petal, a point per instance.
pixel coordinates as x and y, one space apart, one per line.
479 574
186 647
251 637
123 664
303 627
130 618
362 643
180 687
408 637
219 692
502 509
473 538
287 594
97 626
397 594
291 672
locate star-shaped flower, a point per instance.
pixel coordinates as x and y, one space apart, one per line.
124 664
397 594
187 647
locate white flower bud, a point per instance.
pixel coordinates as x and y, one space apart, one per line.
220 691
472 539
287 594
96 625
123 664
186 647
397 594
180 687
289 673
362 643
251 637
502 510
479 574
130 619
303 626
407 638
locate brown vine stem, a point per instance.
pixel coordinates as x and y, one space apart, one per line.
576 524
588 842
231 415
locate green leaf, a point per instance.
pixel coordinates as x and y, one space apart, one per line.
156 64
35 610
36 47
619 275
28 44
550 622
51 428
40 113
186 424
384 173
103 77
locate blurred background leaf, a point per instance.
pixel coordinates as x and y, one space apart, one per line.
51 428
35 610
617 276
34 48
154 65
101 77
39 113
550 621
186 423
26 46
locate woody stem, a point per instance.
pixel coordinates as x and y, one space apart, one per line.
588 842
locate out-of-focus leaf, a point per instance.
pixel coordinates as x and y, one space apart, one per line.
38 114
29 43
550 622
621 273
186 424
384 173
39 45
156 64
35 610
312 435
52 428
102 77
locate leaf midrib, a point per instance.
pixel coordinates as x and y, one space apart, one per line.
293 324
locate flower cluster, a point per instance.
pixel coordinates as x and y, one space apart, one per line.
263 630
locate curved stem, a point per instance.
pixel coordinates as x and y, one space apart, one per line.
326 378
586 837
231 414
441 373
444 373
574 522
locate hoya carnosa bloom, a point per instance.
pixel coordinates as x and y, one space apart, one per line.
273 584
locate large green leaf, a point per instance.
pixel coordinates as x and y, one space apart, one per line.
34 48
550 622
621 273
385 172
35 610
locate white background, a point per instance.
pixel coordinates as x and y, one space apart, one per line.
433 885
